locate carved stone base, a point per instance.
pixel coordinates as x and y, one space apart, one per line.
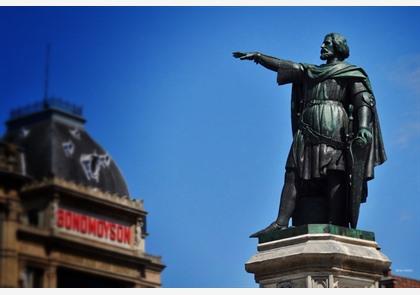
320 260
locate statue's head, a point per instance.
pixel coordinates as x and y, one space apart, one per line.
334 45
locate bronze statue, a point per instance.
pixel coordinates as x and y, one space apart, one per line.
337 140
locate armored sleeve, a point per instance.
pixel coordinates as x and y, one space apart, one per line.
364 102
361 96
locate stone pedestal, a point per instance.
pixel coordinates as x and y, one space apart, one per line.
318 256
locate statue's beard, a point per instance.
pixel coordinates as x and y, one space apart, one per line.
325 55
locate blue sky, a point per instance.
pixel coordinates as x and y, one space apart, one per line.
202 137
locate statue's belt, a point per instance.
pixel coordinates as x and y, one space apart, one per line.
315 137
313 102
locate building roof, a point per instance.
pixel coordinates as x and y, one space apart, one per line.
404 282
55 144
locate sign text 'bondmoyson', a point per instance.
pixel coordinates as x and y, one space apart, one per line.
93 227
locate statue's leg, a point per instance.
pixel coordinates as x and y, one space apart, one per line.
336 188
287 205
288 198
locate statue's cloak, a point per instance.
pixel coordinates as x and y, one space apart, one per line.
342 71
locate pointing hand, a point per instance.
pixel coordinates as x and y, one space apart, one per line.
245 55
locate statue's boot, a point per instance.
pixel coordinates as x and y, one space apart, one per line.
272 227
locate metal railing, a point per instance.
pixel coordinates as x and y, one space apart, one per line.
45 104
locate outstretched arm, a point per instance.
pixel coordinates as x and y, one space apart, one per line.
288 71
266 61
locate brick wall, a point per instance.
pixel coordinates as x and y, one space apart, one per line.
402 282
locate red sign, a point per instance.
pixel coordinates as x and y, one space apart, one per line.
88 225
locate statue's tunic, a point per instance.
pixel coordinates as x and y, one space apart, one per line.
323 113
320 115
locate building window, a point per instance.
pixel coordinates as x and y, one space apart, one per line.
142 272
35 217
31 277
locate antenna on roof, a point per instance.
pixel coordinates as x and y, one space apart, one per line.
47 71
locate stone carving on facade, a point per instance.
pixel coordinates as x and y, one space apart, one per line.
138 238
319 282
53 209
75 133
68 147
93 163
24 132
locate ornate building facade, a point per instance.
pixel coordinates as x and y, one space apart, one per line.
66 218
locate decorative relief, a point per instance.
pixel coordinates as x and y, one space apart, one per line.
93 163
24 132
139 241
374 285
68 148
53 209
319 282
75 133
